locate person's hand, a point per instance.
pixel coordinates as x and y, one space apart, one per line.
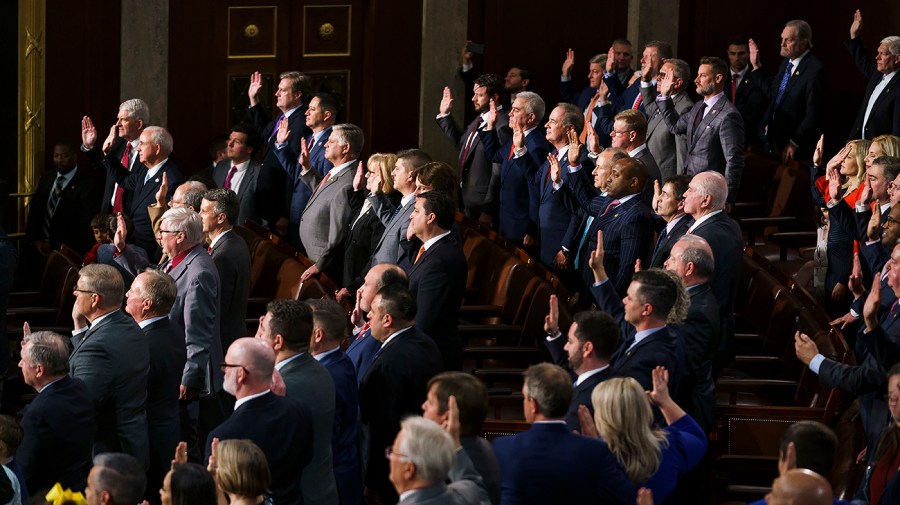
865 196
446 101
788 153
603 91
873 301
491 117
666 84
873 230
856 25
119 235
561 261
278 386
855 280
359 180
181 456
657 195
78 319
518 137
610 60
839 292
575 145
311 271
804 348
755 62
357 318
568 63
26 329
375 183
255 86
660 393
113 134
551 320
88 133
817 153
834 184
466 54
596 260
844 320
451 425
593 140
188 394
586 420
837 159
212 465
555 171
283 132
644 496
529 241
637 265
163 191
342 294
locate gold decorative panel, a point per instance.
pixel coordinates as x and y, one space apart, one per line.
326 30
252 32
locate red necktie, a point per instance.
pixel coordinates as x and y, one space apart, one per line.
734 79
637 102
612 205
228 177
512 149
126 157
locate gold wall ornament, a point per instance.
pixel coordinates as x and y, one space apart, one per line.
326 31
251 31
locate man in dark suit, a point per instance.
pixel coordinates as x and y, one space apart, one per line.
437 275
705 201
519 159
287 328
584 353
148 302
329 326
63 205
626 94
669 150
747 90
647 340
714 127
629 133
797 94
472 403
112 357
326 219
583 98
396 382
59 424
291 99
692 259
479 178
879 113
280 426
239 172
550 464
121 144
232 259
669 206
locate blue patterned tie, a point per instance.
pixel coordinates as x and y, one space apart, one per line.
51 205
784 81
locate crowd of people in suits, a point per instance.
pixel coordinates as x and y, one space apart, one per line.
159 361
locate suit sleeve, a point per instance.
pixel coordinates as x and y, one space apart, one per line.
858 53
675 122
287 158
201 309
608 301
808 130
97 377
259 118
132 261
731 135
451 130
491 145
465 482
339 216
634 245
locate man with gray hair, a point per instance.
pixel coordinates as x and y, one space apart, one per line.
112 357
669 150
59 424
879 113
424 456
705 201
115 479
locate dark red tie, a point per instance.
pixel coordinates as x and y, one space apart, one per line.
126 157
734 80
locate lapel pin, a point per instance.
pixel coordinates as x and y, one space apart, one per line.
156 180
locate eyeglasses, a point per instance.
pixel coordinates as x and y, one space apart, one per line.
225 366
76 290
161 231
891 220
614 133
390 450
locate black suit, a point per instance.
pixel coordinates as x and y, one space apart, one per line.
438 282
581 394
885 115
59 426
393 388
71 222
167 357
664 244
653 174
365 233
283 429
751 101
700 333
799 117
116 151
232 259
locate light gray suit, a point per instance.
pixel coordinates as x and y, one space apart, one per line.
465 488
388 249
246 192
669 150
309 382
717 143
326 220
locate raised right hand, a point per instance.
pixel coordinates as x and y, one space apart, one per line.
283 133
88 133
568 63
253 90
755 62
551 320
856 25
446 101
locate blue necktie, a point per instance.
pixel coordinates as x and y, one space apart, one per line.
784 81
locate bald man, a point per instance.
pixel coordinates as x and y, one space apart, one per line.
800 487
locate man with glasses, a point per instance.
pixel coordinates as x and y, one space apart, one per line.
630 134
111 356
280 426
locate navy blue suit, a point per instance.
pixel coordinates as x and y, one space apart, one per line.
317 152
345 429
361 353
550 464
516 181
664 246
581 394
799 117
885 115
582 99
556 219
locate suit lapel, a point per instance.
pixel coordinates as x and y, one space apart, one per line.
796 73
885 93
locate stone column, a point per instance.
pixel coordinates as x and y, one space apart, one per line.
652 20
145 55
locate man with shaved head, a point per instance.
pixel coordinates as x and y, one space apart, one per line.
280 426
800 487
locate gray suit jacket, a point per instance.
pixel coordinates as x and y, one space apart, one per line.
717 143
308 382
246 192
669 150
465 488
232 259
646 157
326 220
113 359
388 249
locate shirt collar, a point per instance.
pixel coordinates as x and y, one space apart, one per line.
151 173
392 336
250 397
586 375
322 355
147 322
218 237
430 242
68 176
282 363
699 221
637 150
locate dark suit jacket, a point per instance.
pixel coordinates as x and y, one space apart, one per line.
438 282
365 233
653 174
557 220
549 464
232 260
71 222
113 359
283 429
59 426
345 429
581 394
716 144
517 181
700 333
751 101
394 387
479 178
361 352
317 152
167 357
800 116
308 382
669 150
663 248
246 192
481 452
116 151
885 115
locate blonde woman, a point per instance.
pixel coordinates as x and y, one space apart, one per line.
241 472
651 457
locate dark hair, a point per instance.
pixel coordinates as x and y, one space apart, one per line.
600 329
218 143
738 40
329 102
471 398
680 184
439 175
100 221
226 202
891 166
191 484
416 157
120 475
253 138
113 224
814 445
622 41
11 434
657 289
719 67
392 276
550 387
293 320
397 301
493 83
441 205
664 49
330 316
